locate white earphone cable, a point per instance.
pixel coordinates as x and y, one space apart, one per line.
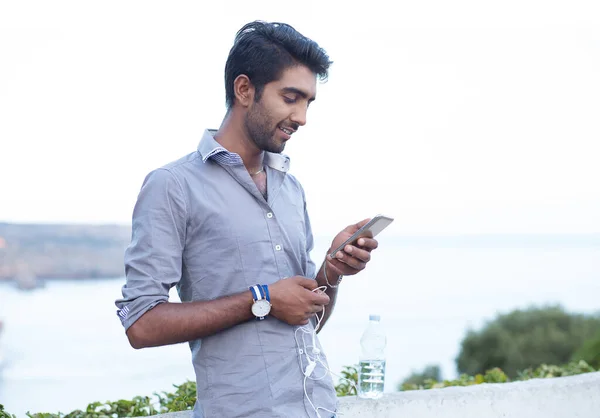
303 351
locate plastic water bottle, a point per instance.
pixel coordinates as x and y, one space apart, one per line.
371 373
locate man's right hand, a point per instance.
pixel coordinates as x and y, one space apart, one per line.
293 300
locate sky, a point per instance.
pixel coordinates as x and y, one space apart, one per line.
460 117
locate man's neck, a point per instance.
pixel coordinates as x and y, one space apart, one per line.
234 138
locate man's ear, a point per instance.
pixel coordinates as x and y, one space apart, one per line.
243 90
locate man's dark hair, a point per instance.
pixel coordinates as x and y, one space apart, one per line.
262 51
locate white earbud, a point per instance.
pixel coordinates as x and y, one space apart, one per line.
310 368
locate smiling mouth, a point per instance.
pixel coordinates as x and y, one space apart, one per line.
287 131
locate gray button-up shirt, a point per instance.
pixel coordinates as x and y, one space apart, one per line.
201 224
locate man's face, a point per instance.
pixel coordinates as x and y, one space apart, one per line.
281 110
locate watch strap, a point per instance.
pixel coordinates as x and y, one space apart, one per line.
257 292
266 295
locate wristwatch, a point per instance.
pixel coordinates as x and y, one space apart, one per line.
262 302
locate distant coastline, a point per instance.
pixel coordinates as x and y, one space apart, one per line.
486 240
33 253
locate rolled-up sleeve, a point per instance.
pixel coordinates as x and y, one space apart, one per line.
154 257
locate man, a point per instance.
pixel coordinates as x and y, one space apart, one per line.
227 224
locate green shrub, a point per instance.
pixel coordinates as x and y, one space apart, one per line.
590 352
545 371
4 414
348 382
141 406
185 396
496 375
430 372
491 376
525 338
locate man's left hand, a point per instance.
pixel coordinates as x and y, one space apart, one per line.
354 257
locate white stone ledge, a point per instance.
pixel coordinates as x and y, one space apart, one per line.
559 397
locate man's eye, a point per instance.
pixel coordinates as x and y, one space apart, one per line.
289 100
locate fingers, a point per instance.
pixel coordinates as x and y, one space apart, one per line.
320 299
354 252
346 265
315 309
368 244
349 261
294 301
309 284
354 257
365 243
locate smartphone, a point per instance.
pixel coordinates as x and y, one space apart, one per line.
370 230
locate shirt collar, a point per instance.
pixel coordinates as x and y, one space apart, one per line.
208 147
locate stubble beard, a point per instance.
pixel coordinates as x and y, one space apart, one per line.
261 130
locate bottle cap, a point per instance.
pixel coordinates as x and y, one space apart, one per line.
374 318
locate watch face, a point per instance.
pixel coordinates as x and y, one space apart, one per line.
261 308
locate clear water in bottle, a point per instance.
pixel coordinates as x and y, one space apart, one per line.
371 378
371 373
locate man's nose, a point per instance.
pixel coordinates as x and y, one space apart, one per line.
299 117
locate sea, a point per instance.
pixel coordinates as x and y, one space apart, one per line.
62 346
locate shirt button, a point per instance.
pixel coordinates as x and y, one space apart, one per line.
269 215
278 247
